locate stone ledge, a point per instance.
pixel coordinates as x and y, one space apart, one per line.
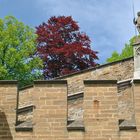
50 82
77 125
24 129
123 85
136 81
127 125
25 87
25 109
24 126
75 96
8 82
100 81
136 43
124 81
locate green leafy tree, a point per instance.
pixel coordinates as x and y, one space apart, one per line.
18 59
115 56
126 52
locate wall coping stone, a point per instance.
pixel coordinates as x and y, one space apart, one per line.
8 82
24 129
123 81
25 109
50 82
26 87
75 96
136 81
76 125
24 126
100 81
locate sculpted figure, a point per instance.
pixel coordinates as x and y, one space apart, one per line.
137 22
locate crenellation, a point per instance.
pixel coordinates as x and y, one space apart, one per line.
90 105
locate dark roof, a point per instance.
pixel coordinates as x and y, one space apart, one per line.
94 68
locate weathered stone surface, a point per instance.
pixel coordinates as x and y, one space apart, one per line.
125 100
137 60
100 110
8 96
122 70
97 111
75 108
115 71
25 96
25 116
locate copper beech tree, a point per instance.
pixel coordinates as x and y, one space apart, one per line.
63 48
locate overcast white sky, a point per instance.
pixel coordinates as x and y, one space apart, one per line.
107 22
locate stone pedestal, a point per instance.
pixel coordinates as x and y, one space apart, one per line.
136 46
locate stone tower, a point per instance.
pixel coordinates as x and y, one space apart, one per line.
136 46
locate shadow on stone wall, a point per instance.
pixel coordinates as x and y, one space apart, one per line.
5 133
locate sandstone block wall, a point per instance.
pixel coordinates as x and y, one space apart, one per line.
100 118
8 98
120 70
125 102
134 135
137 103
50 115
100 110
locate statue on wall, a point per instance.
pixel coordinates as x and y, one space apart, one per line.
137 22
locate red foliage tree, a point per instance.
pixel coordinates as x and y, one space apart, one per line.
63 48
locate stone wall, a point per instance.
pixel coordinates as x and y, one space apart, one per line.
100 110
50 112
100 119
50 115
134 135
120 70
93 116
8 97
125 100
